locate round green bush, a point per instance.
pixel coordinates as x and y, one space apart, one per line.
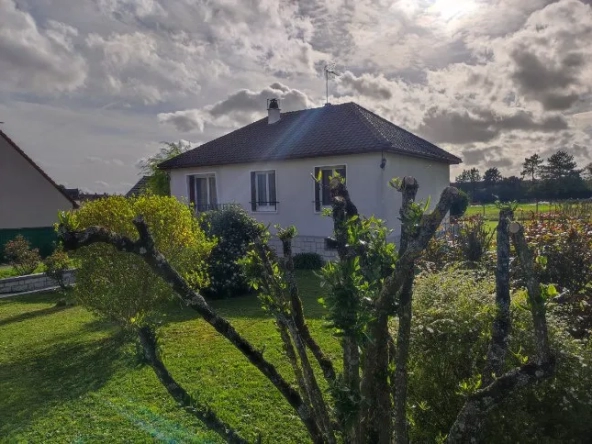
308 261
453 313
460 204
234 230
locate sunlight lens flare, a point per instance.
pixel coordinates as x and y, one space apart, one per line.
449 9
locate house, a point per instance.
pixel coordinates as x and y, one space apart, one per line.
139 187
29 199
268 168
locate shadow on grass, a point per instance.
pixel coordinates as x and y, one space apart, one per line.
249 306
32 314
49 296
56 374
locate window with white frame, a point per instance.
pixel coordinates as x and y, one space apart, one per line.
263 194
322 191
202 192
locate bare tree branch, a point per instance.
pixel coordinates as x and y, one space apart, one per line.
324 362
145 248
303 369
502 324
409 187
469 422
344 210
179 394
539 317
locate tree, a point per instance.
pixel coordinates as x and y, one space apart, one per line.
370 284
158 182
492 176
121 286
531 167
561 178
560 165
469 176
588 171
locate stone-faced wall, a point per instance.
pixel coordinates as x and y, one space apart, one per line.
38 281
305 244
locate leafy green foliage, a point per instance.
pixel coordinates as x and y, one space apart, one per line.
453 312
352 284
234 230
158 182
21 256
121 286
564 248
473 239
460 205
566 244
56 266
308 261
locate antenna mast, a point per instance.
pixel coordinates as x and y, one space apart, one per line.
329 71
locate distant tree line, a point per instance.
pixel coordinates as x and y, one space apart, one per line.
556 178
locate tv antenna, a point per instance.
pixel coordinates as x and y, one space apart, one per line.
329 74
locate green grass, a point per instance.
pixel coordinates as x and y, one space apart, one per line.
8 271
65 376
491 212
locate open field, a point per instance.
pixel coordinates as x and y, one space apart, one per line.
524 211
66 376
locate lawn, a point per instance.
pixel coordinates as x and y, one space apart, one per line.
8 271
65 376
524 211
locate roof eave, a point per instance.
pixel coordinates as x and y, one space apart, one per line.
388 149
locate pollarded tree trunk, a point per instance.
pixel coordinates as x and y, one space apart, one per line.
468 425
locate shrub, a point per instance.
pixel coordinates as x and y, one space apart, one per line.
56 266
566 245
234 231
21 256
473 239
308 261
453 313
460 205
121 286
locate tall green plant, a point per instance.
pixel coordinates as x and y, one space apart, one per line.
121 286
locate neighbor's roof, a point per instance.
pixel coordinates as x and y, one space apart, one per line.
327 131
38 168
139 187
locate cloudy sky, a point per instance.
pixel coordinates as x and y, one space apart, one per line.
89 87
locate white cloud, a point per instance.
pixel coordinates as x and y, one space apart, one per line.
241 107
185 121
39 60
493 81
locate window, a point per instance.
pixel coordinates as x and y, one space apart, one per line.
263 196
322 192
203 193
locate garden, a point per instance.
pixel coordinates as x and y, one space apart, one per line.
457 335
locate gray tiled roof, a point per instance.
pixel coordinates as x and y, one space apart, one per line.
327 131
139 187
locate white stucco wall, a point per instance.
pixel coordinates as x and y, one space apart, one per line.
432 177
27 198
367 184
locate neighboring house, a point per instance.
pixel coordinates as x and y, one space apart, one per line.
268 167
139 187
29 199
